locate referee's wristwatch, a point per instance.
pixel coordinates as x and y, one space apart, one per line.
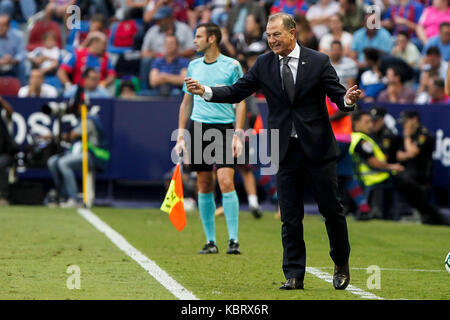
239 133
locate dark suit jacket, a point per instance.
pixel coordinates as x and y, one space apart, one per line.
315 78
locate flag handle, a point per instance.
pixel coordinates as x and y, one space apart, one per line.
84 140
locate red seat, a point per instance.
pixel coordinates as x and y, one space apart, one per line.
38 30
9 86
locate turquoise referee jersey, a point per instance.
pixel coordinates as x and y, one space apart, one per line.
225 71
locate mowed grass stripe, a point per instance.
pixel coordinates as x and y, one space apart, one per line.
257 274
38 244
151 267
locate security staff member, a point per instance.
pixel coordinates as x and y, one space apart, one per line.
416 155
382 135
371 166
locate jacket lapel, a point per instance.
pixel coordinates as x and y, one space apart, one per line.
301 69
275 70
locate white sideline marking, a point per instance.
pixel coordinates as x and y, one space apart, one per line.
151 267
352 289
390 269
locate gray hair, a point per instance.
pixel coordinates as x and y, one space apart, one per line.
288 20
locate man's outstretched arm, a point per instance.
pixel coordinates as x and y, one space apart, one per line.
235 93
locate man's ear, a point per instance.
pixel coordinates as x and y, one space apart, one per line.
293 32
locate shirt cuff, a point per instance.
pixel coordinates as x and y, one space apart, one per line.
348 105
207 95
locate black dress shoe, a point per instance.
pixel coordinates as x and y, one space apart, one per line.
292 284
341 277
256 212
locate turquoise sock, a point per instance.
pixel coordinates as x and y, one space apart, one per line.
207 207
230 204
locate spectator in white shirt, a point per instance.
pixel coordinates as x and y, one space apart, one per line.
426 80
336 24
319 14
433 61
37 87
406 50
346 68
47 57
153 43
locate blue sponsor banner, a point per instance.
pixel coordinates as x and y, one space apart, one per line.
139 134
29 121
142 138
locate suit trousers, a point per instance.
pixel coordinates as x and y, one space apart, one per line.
294 170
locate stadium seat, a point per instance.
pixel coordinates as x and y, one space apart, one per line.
9 86
122 36
37 31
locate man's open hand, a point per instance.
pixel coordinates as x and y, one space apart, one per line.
237 146
180 146
352 95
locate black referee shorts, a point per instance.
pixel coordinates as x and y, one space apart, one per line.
210 146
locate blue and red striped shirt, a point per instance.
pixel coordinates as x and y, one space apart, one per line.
412 12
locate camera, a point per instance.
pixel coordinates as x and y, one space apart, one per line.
57 108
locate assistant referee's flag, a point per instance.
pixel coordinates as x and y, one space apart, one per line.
173 202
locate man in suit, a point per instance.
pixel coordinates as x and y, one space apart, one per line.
295 80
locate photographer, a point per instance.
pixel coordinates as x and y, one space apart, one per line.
92 88
63 166
8 148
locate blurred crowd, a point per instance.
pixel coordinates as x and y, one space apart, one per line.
396 51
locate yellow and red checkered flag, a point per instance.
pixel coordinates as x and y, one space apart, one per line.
173 202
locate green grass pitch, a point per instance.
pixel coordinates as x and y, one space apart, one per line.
38 244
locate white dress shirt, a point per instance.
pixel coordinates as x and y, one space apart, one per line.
293 62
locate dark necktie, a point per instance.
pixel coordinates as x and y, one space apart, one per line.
289 86
288 79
